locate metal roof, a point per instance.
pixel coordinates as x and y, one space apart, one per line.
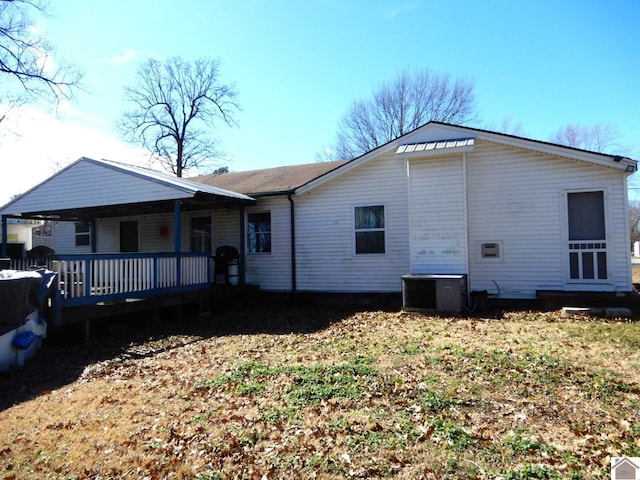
147 191
436 145
170 180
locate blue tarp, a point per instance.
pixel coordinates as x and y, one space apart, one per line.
21 293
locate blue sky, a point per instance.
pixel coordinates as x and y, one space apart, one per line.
297 66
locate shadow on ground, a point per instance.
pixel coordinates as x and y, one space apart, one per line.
65 355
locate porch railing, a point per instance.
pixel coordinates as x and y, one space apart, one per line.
88 279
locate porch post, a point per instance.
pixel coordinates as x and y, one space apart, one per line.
177 246
242 248
3 253
93 236
177 234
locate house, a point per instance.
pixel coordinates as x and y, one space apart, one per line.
19 236
506 215
114 235
514 216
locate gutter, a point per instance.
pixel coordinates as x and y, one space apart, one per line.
293 243
289 194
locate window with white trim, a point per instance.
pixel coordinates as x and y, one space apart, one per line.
369 229
259 232
83 233
201 234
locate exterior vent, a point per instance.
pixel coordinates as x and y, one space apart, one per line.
490 250
433 293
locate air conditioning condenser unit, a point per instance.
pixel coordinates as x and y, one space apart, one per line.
434 293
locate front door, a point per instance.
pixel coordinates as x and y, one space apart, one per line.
129 236
587 239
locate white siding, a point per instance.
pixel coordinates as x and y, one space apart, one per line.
226 231
272 271
226 228
512 196
64 239
437 216
326 259
21 232
88 184
517 197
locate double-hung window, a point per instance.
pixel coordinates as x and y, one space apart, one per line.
83 233
369 229
259 232
201 234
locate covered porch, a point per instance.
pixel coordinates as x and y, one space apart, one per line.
134 272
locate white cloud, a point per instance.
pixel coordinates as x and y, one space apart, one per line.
34 145
401 8
126 57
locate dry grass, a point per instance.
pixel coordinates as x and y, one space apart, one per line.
285 393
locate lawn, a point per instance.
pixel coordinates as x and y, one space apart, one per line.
284 392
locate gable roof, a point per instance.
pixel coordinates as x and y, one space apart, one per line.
90 187
434 138
270 181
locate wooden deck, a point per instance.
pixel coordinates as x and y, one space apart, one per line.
90 286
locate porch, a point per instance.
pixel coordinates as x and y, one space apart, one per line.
111 206
109 279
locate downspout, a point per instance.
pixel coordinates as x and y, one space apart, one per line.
293 244
3 254
242 248
465 188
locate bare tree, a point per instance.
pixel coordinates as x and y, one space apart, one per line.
507 126
27 60
398 107
634 221
176 104
220 171
596 138
601 138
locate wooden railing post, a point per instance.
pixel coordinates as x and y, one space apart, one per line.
88 277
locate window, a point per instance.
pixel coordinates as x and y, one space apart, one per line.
83 234
369 229
259 232
201 230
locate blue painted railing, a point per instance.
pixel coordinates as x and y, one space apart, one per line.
95 278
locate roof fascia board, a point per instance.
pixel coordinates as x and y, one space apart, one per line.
187 186
280 193
160 181
600 159
347 167
610 161
38 185
119 168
